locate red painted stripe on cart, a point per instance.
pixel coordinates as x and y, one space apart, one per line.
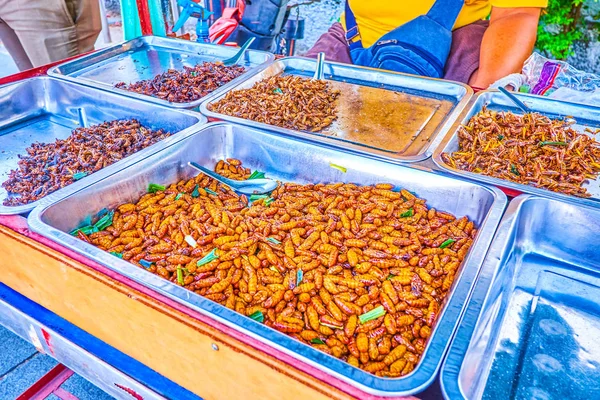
39 71
64 395
47 384
19 224
130 392
48 340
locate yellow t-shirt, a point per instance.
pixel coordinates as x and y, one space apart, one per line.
375 18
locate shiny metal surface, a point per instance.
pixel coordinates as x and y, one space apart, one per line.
532 325
586 117
289 160
147 56
393 116
45 109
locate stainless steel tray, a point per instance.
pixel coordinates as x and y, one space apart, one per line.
393 116
586 117
45 109
532 325
285 159
147 56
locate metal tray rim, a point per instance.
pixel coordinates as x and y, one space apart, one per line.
160 41
385 387
359 149
497 182
123 163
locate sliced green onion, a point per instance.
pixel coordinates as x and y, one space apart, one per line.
317 341
514 170
102 213
371 315
180 276
79 175
500 137
210 257
272 268
338 167
408 213
299 276
190 240
145 264
114 253
390 276
210 192
273 240
277 90
257 175
550 143
268 201
104 222
255 197
447 243
178 196
258 316
195 192
331 326
153 188
86 230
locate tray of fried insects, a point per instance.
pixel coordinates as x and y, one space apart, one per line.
56 134
531 326
552 150
388 115
172 72
358 267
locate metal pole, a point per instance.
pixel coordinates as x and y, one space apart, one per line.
105 29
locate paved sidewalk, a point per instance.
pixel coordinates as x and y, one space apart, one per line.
21 365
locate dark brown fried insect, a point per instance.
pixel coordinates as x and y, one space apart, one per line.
48 167
255 254
531 149
188 85
287 101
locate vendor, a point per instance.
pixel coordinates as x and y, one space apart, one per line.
39 32
478 51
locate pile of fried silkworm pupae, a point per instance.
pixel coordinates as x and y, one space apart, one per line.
358 272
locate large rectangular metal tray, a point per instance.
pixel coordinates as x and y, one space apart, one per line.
45 109
585 115
289 160
531 328
147 56
393 116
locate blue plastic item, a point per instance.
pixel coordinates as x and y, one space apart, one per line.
195 10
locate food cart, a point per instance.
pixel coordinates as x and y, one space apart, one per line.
515 317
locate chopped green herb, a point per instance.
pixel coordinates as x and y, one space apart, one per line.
299 276
153 188
102 213
317 341
447 243
210 192
257 175
258 316
500 137
114 253
409 213
277 90
255 197
514 170
550 143
195 192
104 222
145 264
268 201
79 175
193 73
371 315
390 276
178 196
273 240
180 276
210 257
338 167
86 230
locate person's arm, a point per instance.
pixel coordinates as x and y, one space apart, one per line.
506 44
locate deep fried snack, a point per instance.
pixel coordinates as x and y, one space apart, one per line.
48 167
287 101
359 272
187 85
531 149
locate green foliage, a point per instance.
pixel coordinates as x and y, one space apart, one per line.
561 24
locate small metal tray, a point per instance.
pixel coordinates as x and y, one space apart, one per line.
393 116
45 109
586 117
532 325
147 56
285 159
